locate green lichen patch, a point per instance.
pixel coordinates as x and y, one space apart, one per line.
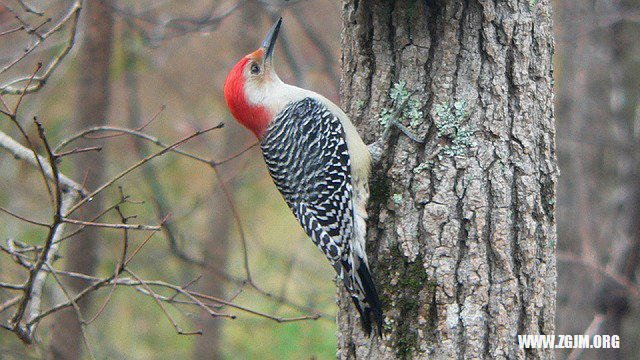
411 107
406 295
423 166
457 136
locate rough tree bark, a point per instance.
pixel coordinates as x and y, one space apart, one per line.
461 231
91 110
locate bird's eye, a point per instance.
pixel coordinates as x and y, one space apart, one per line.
255 69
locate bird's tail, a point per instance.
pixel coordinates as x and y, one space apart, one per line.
365 297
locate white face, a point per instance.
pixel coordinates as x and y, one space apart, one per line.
263 87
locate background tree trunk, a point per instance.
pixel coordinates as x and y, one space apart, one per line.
600 226
222 226
462 228
93 98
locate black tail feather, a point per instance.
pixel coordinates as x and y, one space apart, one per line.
370 310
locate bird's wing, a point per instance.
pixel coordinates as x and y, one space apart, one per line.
305 151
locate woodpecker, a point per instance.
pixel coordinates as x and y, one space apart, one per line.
317 161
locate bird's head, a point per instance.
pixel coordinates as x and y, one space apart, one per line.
250 84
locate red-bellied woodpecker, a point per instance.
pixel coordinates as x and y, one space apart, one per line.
318 162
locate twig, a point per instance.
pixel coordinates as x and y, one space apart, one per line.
114 226
23 153
47 253
32 222
38 284
72 13
621 280
164 310
33 286
13 115
99 282
236 216
95 218
53 162
29 8
7 32
139 163
593 329
178 26
138 129
217 163
11 286
83 325
123 256
9 303
119 130
78 151
135 252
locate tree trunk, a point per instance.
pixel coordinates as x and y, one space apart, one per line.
91 110
461 230
600 188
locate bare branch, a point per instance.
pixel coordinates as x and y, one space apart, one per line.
83 325
139 163
78 151
9 303
33 222
114 226
73 13
621 280
23 153
120 130
164 310
30 9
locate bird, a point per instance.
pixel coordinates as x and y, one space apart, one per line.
317 161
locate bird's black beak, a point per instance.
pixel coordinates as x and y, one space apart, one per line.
270 41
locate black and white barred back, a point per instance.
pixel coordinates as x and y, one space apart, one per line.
307 156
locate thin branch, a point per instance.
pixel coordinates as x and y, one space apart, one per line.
83 325
123 256
594 327
78 151
9 303
129 282
178 26
23 153
30 9
113 226
33 222
621 280
135 252
120 130
53 162
164 310
11 286
236 216
139 163
95 218
232 157
72 13
7 32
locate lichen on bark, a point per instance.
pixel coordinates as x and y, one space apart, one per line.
461 235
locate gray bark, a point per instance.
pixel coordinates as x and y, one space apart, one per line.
461 234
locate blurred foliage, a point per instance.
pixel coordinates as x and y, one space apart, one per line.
186 73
